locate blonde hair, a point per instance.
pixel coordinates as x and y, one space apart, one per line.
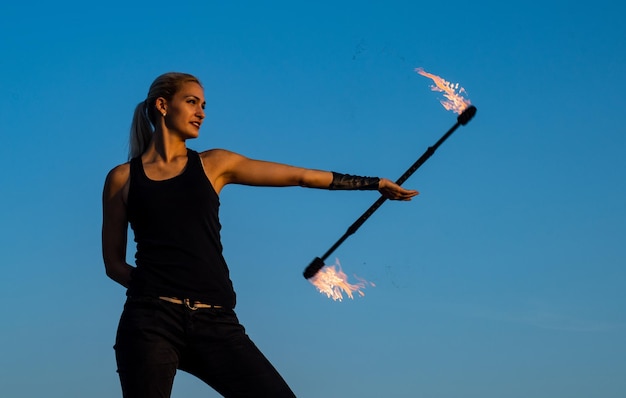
145 116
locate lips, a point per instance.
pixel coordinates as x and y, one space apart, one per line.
197 124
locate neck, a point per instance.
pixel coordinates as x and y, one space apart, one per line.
165 147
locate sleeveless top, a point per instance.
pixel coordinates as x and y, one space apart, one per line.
177 232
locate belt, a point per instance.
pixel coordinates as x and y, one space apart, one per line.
192 305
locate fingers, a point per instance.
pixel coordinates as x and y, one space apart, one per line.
392 191
404 195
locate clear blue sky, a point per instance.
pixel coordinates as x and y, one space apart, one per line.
504 278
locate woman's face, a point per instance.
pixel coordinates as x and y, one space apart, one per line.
185 111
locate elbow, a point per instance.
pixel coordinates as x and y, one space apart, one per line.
109 270
120 272
109 266
315 179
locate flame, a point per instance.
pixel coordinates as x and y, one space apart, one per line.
332 281
455 102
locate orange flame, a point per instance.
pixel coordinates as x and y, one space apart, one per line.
455 102
332 281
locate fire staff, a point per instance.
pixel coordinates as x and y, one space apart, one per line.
179 312
466 114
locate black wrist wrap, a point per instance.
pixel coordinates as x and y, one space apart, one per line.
350 182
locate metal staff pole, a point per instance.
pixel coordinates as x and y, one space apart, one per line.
318 262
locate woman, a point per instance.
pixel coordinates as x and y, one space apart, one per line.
180 300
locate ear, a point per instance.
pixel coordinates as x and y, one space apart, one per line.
161 105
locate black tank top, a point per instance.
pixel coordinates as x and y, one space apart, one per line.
177 231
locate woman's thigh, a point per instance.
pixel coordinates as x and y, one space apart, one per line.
222 355
147 348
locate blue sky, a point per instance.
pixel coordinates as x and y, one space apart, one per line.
504 278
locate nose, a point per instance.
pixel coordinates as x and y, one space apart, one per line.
200 113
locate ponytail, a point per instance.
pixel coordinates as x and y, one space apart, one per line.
145 116
140 131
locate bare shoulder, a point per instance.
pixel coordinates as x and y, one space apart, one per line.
221 159
118 174
219 165
218 154
117 179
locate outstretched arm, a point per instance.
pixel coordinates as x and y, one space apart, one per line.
233 168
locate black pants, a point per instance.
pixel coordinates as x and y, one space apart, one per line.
155 338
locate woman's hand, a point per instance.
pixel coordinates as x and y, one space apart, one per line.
393 191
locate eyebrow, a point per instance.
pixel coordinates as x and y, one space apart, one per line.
196 97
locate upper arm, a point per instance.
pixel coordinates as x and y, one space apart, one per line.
114 215
225 167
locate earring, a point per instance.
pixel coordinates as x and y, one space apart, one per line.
164 113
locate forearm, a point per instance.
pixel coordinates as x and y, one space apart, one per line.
352 182
387 188
311 178
338 181
120 272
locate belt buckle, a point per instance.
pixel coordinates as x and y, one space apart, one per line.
188 304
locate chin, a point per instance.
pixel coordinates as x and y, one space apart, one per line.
193 135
